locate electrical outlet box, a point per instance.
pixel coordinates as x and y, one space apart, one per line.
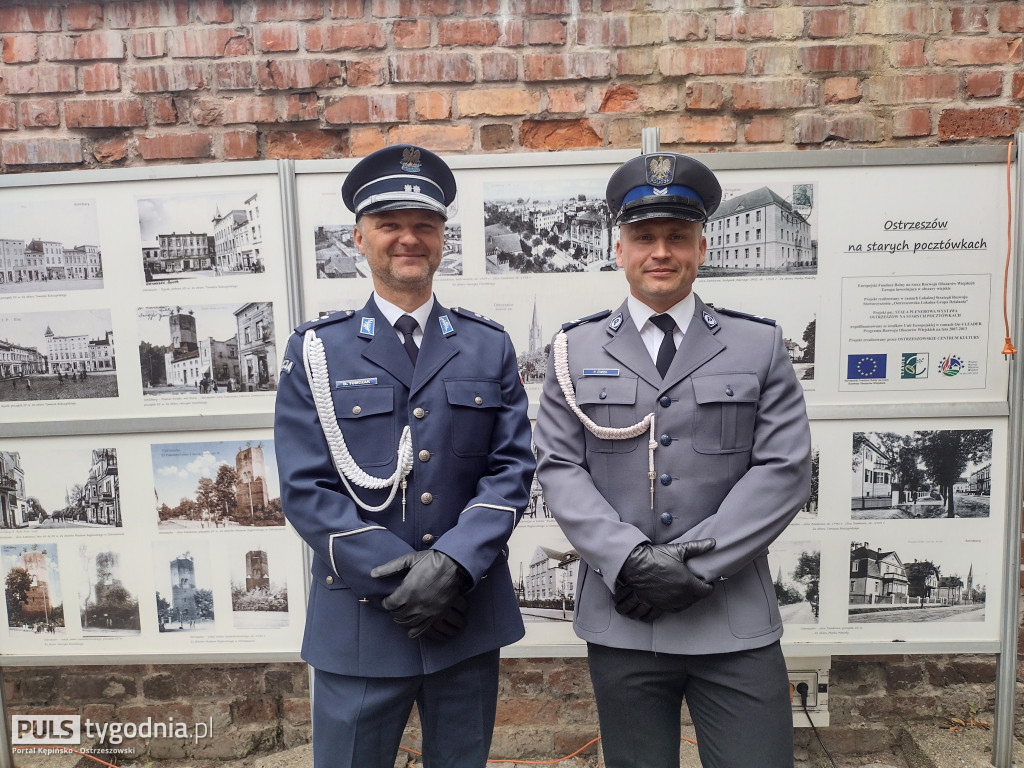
812 671
810 679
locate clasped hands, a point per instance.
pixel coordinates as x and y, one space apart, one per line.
655 579
430 599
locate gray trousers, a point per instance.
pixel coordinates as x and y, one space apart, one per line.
739 704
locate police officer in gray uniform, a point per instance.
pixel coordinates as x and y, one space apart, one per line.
403 445
673 448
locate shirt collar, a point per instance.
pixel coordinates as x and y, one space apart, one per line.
392 312
682 312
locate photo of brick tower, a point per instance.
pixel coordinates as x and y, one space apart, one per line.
32 588
184 596
259 596
108 606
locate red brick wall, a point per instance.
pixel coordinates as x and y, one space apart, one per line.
96 84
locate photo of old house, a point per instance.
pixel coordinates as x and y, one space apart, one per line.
32 588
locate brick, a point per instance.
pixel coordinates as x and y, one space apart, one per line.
703 97
276 38
558 134
620 31
412 8
101 77
89 45
411 34
478 32
746 26
980 85
164 78
809 129
84 16
717 60
240 145
107 152
909 53
234 75
214 12
304 145
250 109
496 137
42 78
481 7
8 116
916 121
565 101
856 128
345 37
842 90
432 68
497 67
548 7
775 95
454 138
364 140
104 113
686 27
213 42
969 19
363 73
564 66
208 111
901 89
149 45
972 51
175 147
701 130
39 113
135 14
290 74
897 19
19 49
165 111
772 60
765 129
24 18
42 152
645 99
839 58
545 32
379 108
1011 18
955 124
497 102
288 10
301 106
1017 92
432 105
636 61
832 22
345 9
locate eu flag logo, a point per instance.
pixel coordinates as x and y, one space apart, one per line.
865 366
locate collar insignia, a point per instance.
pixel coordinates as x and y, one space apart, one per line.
616 322
366 326
446 325
709 320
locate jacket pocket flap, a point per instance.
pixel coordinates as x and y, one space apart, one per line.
360 402
726 388
601 390
473 393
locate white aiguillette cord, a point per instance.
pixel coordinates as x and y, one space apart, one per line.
315 362
561 359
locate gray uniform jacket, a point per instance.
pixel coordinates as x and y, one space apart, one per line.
732 462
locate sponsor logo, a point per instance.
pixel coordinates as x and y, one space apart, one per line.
865 366
950 365
915 365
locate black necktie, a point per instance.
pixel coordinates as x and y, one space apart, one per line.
667 350
405 325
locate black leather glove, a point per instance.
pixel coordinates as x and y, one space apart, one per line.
448 624
657 573
431 585
632 607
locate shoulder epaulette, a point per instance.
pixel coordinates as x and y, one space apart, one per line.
332 317
589 318
744 315
471 315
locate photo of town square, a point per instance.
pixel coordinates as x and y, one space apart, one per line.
901 581
201 236
550 226
338 257
108 606
216 485
259 594
921 475
184 587
51 245
207 350
57 355
32 590
66 488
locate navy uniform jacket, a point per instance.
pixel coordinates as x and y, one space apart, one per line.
732 462
469 485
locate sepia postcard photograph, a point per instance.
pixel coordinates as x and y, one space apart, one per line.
184 587
108 602
259 587
35 602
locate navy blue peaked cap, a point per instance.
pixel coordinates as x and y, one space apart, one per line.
402 176
662 185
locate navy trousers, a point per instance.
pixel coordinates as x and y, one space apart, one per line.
358 722
739 704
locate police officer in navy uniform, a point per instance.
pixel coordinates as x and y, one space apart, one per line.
673 448
403 445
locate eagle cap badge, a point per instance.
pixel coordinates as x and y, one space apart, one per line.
411 160
661 169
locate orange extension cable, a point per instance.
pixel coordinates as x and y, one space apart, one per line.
542 762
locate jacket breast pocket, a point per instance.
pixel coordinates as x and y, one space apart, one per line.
609 402
474 405
366 416
726 405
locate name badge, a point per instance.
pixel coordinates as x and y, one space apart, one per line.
346 383
600 371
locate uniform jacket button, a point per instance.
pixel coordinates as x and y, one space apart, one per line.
424 455
428 539
419 413
665 401
426 498
478 400
356 410
666 479
666 518
666 440
329 579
